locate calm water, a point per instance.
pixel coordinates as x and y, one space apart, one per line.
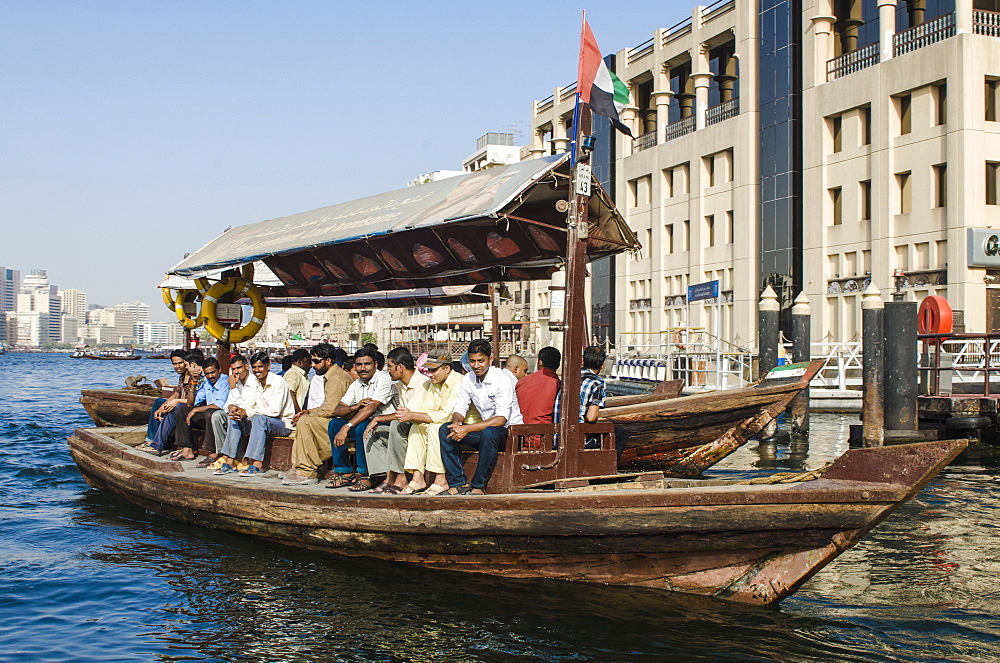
84 577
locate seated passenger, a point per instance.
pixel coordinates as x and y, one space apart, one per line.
239 376
492 393
267 412
429 408
592 395
211 397
407 381
536 393
371 395
312 440
296 377
515 368
167 414
180 367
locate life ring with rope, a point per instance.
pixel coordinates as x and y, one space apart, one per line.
934 316
240 287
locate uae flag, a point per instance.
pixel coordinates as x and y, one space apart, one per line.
598 85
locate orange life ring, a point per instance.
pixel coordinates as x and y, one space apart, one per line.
934 316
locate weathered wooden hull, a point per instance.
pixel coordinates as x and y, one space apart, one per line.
669 432
118 407
748 544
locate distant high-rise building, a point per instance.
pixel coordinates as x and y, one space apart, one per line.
73 302
10 284
41 297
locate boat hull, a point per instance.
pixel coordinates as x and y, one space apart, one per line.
118 407
749 544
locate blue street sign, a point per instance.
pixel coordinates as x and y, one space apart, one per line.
700 291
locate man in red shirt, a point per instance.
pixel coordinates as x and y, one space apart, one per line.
536 393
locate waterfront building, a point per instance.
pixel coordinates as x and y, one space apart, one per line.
812 146
37 295
73 302
32 328
167 334
10 285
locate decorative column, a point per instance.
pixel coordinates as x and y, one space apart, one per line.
537 144
727 77
662 100
701 79
560 141
822 29
886 27
963 16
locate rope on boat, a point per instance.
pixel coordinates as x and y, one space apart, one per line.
786 477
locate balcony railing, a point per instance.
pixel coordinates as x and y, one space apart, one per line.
852 62
986 23
681 128
722 112
924 34
640 51
644 142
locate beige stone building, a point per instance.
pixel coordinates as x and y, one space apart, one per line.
812 149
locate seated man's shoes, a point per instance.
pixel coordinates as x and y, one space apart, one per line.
293 478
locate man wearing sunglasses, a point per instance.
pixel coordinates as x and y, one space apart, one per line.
312 441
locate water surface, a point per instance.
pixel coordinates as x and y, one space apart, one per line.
86 577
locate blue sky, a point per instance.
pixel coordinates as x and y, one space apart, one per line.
135 131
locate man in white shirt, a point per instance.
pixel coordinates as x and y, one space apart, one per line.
492 392
387 428
239 375
267 411
371 395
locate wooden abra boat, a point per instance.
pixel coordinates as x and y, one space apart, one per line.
119 407
665 433
753 544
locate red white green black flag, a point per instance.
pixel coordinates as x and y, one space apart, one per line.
597 85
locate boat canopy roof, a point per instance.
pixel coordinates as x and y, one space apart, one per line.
498 224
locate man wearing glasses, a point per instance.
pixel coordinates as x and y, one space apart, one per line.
312 441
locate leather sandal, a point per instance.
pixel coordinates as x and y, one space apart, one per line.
361 484
341 480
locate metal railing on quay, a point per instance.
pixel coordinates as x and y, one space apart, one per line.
967 359
924 34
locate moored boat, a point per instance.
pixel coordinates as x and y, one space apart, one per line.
752 544
119 407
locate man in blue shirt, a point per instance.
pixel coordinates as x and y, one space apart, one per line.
211 396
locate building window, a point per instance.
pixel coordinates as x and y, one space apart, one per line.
903 182
941 185
668 233
836 130
865 187
838 208
903 104
709 170
941 102
730 161
866 125
729 227
991 99
668 182
710 229
687 235
992 171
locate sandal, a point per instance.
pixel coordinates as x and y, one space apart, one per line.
433 490
392 489
361 484
341 480
150 449
412 489
381 488
179 455
206 461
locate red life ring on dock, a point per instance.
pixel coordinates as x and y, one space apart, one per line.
934 316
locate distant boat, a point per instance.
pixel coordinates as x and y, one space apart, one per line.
80 354
116 355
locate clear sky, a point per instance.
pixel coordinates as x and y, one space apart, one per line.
134 131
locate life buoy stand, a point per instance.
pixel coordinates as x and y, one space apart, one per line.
934 316
180 297
240 288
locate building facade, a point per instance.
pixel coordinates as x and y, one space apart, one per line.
811 145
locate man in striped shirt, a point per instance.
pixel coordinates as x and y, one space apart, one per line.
592 395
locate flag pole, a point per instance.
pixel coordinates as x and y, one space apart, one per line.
576 106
